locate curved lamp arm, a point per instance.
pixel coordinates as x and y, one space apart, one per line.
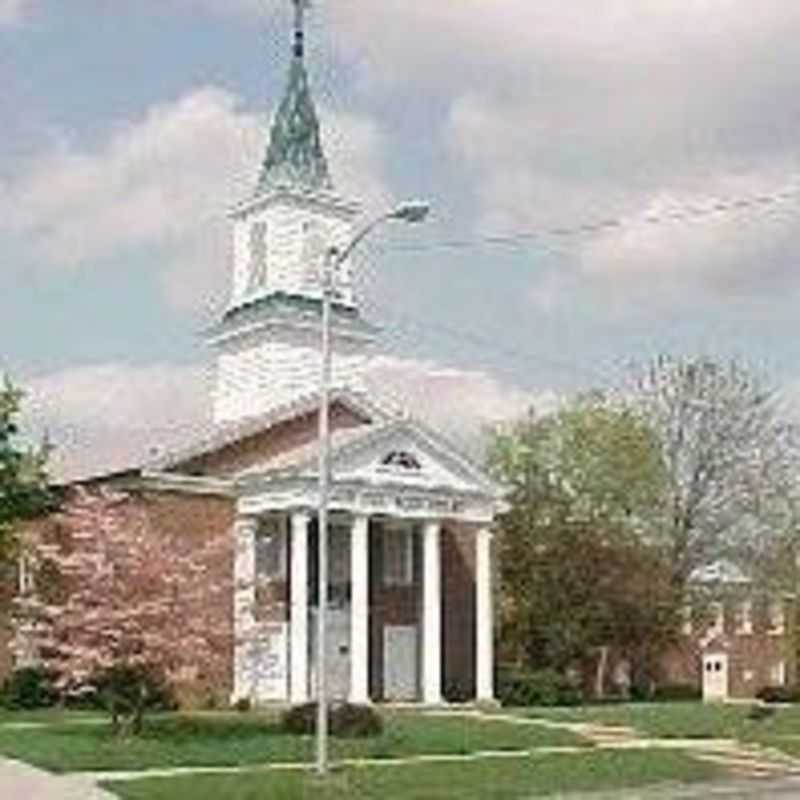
411 212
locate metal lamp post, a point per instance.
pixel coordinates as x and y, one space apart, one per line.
411 212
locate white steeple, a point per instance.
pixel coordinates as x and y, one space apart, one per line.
268 341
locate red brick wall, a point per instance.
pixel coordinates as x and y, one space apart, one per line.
458 608
183 522
189 521
756 653
390 605
399 605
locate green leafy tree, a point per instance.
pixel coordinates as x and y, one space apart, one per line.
23 478
579 574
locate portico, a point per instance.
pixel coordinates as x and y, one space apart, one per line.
409 536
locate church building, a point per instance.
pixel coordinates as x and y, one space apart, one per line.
409 604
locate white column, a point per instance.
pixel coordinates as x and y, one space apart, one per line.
298 616
244 599
432 615
484 620
359 610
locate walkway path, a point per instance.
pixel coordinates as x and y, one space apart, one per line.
741 760
26 783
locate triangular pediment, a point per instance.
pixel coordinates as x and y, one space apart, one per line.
406 454
399 453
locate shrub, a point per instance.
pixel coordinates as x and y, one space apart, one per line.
677 692
540 688
456 691
127 691
779 694
29 688
243 705
344 720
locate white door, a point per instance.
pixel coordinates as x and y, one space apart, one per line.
715 677
400 663
337 653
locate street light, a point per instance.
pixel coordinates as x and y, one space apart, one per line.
411 212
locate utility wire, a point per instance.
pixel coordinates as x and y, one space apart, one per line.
714 207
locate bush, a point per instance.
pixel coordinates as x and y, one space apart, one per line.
456 691
127 691
779 694
29 688
243 705
541 688
677 692
344 719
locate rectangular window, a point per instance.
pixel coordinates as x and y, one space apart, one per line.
271 551
25 574
398 556
744 618
687 614
776 623
717 619
339 555
777 675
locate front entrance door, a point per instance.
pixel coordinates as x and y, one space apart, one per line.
715 677
337 650
400 663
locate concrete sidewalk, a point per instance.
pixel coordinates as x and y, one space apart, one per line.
21 782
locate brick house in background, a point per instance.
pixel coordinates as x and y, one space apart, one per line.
740 641
410 599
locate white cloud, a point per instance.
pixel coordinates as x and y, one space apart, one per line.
658 250
166 182
12 11
111 416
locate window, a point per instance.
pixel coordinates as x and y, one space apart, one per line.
744 618
400 459
271 551
777 675
339 555
687 615
717 619
25 574
314 241
398 556
258 256
776 619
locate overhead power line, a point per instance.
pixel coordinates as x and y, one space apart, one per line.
677 215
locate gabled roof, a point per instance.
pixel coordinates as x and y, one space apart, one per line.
229 434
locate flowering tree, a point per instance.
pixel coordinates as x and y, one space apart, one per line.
115 588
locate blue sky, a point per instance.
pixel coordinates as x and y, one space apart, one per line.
130 128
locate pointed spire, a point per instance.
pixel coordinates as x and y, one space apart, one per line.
295 158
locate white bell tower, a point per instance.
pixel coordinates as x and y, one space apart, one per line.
268 341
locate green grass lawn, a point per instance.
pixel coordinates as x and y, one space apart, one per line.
232 740
681 720
506 779
47 716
